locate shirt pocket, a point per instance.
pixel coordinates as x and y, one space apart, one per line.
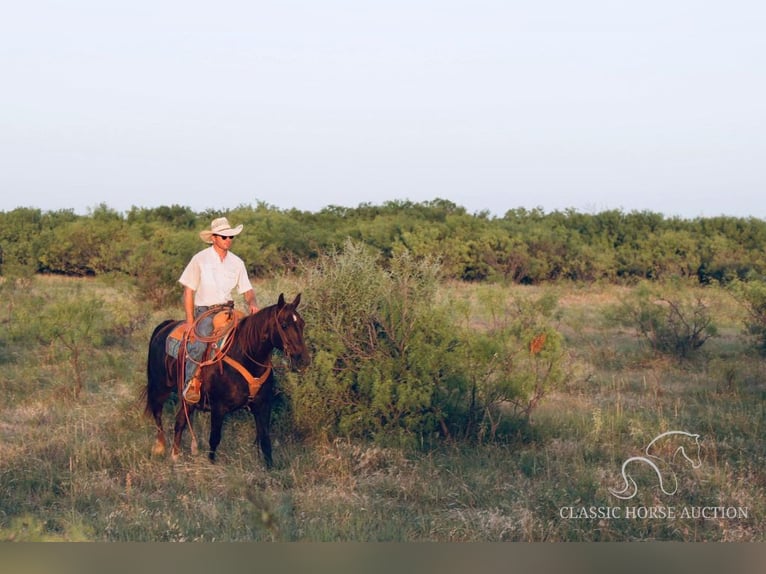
230 279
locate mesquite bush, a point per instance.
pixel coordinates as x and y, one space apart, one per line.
671 324
395 361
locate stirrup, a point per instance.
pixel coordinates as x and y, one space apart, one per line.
192 393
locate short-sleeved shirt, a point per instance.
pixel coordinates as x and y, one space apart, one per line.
213 280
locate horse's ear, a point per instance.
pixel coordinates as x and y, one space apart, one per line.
281 301
297 300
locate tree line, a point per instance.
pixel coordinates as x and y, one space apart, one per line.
522 246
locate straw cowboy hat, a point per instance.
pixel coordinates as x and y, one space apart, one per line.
220 226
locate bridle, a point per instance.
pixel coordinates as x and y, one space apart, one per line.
286 347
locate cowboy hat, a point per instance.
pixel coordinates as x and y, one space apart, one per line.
220 226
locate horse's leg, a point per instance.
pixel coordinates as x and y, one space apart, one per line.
184 415
262 416
156 408
216 427
158 389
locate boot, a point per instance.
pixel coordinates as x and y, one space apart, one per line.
192 391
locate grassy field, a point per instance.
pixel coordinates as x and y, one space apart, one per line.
75 460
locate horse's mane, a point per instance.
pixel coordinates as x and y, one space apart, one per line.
252 331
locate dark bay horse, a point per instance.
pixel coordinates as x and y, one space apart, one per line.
224 385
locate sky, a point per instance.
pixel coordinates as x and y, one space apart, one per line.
492 104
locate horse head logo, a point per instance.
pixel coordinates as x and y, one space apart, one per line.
674 442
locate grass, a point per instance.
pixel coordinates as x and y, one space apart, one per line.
81 469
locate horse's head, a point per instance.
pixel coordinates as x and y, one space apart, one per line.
290 329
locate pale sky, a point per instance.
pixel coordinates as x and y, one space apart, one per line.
492 104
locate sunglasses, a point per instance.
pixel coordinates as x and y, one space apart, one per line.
223 236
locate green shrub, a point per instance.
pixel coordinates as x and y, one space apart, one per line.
157 264
673 325
511 361
393 361
372 330
69 325
752 295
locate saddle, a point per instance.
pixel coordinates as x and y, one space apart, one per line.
223 328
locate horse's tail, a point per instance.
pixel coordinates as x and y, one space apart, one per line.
153 379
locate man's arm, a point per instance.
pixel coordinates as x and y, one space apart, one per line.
250 300
189 306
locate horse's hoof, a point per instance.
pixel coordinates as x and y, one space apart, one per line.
158 450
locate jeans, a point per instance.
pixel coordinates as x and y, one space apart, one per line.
196 349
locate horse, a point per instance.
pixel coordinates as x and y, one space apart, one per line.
225 385
674 442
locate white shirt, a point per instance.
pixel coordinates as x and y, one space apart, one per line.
213 280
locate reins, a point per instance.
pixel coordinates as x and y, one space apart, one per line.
222 334
225 334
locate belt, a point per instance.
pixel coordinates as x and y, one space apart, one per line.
203 308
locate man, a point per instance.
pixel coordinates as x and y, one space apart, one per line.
208 280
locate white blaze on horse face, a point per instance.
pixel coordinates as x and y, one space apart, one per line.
295 318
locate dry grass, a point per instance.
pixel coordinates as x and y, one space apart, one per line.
82 470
